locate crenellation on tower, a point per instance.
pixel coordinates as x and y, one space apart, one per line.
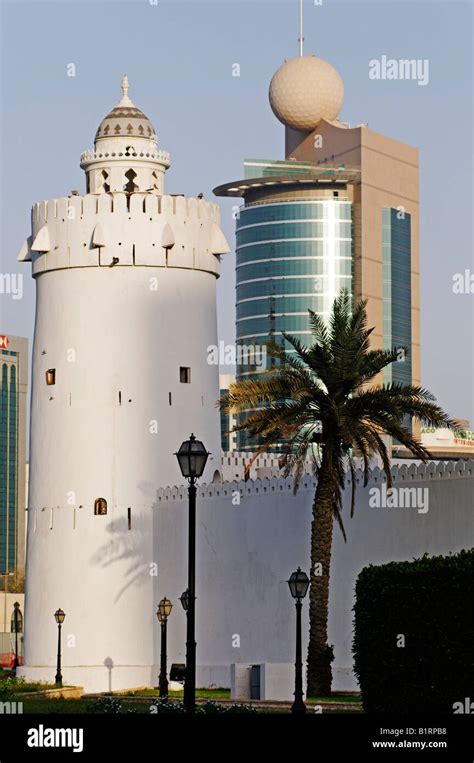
64 232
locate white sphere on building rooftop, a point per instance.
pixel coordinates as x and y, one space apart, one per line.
305 90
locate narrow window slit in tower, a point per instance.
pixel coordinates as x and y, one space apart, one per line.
133 254
51 376
129 518
185 375
51 518
120 397
169 397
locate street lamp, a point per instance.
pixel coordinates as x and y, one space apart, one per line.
192 457
164 611
16 608
59 616
184 599
298 584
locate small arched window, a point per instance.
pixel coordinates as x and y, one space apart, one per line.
100 506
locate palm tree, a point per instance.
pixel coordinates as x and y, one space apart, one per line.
320 402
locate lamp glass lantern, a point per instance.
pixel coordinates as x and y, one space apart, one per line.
164 609
298 584
192 457
184 599
59 616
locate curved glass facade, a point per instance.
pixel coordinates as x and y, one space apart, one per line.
291 256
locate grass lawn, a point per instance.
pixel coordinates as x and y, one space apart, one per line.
200 693
11 689
73 706
336 697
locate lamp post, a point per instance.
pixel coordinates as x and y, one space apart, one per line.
298 584
164 611
192 457
16 608
184 599
59 616
6 575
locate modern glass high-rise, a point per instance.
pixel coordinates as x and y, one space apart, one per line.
293 252
341 211
13 394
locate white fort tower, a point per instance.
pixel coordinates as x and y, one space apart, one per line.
125 312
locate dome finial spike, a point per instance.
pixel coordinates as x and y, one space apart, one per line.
125 99
125 85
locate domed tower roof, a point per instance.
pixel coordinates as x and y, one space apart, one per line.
305 90
125 157
125 120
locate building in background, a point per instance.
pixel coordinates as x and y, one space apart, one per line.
341 211
13 401
446 444
228 420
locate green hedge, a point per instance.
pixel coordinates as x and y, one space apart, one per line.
430 602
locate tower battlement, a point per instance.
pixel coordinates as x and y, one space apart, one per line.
120 229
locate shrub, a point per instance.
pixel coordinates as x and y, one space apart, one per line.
109 705
427 605
7 690
162 706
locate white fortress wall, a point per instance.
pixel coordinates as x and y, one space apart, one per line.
246 552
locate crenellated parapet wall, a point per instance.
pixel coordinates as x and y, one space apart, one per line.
443 470
120 229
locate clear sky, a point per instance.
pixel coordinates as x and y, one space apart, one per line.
179 57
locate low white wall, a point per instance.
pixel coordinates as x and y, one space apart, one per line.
251 536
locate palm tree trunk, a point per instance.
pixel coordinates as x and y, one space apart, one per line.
319 673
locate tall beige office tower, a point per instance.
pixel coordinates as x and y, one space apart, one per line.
340 211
